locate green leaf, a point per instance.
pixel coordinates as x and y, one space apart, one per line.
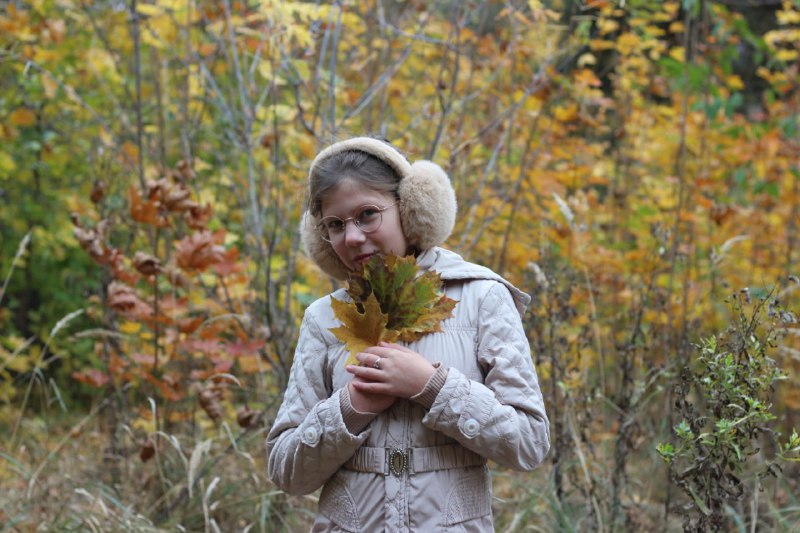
699 503
666 450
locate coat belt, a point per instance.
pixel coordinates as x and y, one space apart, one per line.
414 460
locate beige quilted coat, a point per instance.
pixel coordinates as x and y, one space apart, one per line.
490 407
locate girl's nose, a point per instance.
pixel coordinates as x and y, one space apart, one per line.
353 236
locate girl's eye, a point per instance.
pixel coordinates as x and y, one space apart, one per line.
335 224
368 214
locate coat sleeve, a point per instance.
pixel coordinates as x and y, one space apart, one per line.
309 440
502 418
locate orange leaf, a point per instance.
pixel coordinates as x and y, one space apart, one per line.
245 417
229 263
23 117
190 324
222 367
240 349
250 364
145 211
209 399
198 217
91 376
199 251
130 153
586 77
146 263
124 300
208 346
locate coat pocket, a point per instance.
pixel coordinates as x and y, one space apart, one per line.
337 503
470 497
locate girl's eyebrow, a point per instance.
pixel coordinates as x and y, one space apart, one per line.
362 206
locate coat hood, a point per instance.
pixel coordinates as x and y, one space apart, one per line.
452 266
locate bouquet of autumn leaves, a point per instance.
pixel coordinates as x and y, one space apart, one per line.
390 302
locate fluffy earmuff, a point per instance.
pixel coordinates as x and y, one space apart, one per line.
427 203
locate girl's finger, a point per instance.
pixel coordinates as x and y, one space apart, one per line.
365 372
371 387
367 359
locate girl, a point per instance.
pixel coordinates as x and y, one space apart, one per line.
400 442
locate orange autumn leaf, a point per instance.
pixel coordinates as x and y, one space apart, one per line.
189 325
130 153
146 264
145 211
586 76
197 217
199 251
22 117
229 263
250 364
243 348
125 301
91 376
209 398
245 417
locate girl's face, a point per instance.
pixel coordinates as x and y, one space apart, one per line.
353 246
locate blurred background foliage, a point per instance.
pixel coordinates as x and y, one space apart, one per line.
635 165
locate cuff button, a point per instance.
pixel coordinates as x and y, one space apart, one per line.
471 427
311 436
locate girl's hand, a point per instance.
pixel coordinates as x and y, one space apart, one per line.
366 402
402 373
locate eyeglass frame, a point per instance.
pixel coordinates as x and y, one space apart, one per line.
321 228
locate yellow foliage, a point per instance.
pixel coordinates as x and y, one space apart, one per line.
103 64
7 165
607 26
678 54
787 55
628 43
129 328
599 45
734 82
566 113
788 15
251 364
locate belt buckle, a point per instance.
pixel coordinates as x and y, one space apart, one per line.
398 460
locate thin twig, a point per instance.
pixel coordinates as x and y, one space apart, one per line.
23 245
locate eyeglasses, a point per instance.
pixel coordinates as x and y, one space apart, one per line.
368 219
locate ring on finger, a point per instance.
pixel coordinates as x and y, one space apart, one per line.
377 364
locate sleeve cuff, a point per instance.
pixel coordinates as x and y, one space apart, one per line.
355 421
431 389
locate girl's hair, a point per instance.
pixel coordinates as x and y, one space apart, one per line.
356 165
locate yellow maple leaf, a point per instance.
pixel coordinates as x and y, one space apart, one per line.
362 328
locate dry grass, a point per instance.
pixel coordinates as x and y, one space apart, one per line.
73 489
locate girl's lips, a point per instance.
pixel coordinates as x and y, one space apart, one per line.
363 257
